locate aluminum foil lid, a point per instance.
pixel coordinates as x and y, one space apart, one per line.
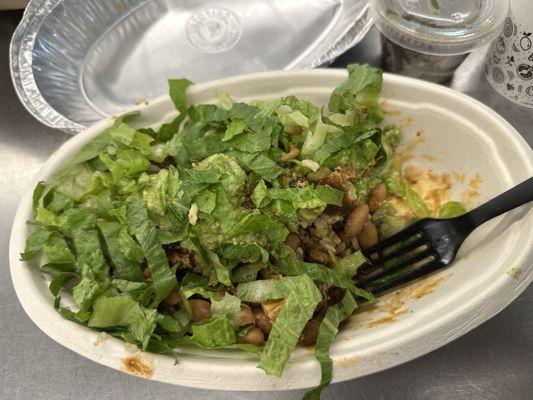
74 62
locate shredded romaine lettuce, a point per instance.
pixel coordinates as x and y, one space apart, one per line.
326 333
144 230
224 208
451 209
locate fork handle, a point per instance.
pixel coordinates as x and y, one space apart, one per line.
512 198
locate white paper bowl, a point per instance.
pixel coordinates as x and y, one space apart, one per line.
493 267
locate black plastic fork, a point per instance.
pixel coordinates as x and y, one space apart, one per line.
430 243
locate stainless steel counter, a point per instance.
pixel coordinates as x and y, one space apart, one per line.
495 361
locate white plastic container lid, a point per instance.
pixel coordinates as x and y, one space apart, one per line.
439 27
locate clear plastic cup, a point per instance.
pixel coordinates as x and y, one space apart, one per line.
428 39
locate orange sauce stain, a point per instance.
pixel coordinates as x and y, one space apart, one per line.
394 304
431 158
459 177
383 105
433 188
388 319
347 362
405 151
406 122
119 6
473 189
428 288
137 365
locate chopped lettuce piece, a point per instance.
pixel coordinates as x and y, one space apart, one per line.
38 192
56 269
359 93
326 333
246 273
216 332
177 92
129 137
35 242
398 185
289 265
349 264
124 268
127 163
134 289
387 222
350 137
248 252
96 146
144 230
123 311
262 225
90 261
128 246
221 269
297 309
77 182
451 209
61 280
259 163
226 305
57 250
225 99
307 197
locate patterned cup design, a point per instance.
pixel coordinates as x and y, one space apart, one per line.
509 64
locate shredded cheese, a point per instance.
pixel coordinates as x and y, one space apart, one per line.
193 214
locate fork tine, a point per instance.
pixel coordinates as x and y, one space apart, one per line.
398 252
382 272
399 237
409 276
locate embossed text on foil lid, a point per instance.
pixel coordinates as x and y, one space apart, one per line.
213 30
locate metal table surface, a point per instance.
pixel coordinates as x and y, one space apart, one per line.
495 361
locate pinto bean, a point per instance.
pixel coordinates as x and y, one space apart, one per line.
253 336
376 197
261 320
245 317
350 196
355 221
334 179
309 333
368 236
172 299
319 256
293 241
147 273
201 309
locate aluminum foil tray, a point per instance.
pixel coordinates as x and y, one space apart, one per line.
74 62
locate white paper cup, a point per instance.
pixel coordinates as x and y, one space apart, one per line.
509 64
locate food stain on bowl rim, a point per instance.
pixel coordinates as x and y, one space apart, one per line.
347 362
394 304
140 364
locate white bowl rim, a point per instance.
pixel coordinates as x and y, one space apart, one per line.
494 298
